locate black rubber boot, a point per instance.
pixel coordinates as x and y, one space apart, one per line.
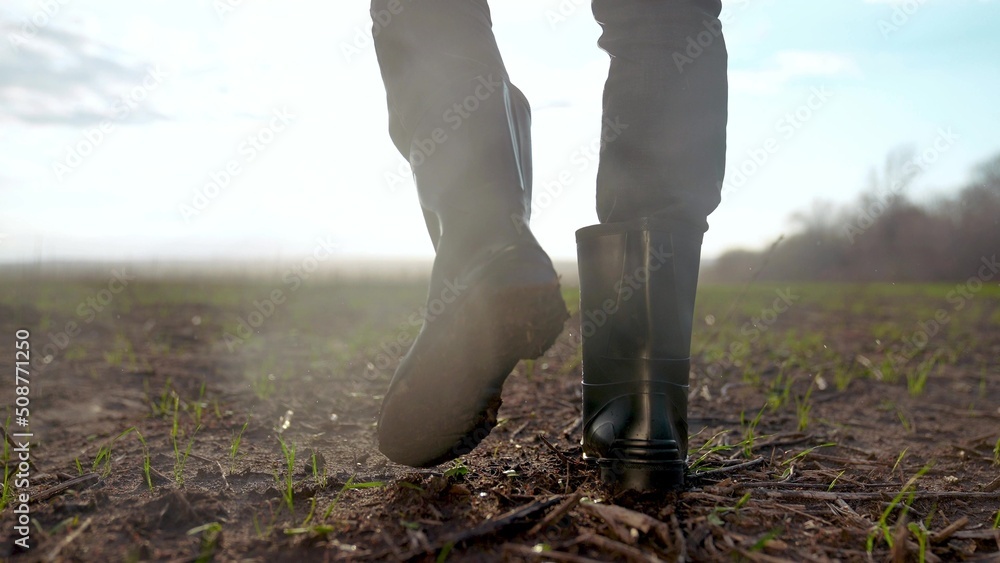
637 292
494 296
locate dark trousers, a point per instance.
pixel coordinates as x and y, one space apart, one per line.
665 101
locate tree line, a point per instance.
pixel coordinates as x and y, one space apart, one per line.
884 236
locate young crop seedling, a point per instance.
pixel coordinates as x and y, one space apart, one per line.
760 544
162 404
923 539
114 358
905 420
146 461
312 511
899 459
916 379
457 469
889 371
263 385
348 486
883 524
411 486
234 446
210 535
319 473
263 533
8 486
70 522
802 409
7 492
445 551
799 456
288 490
835 479
264 378
319 530
199 405
842 376
780 390
708 449
715 516
749 431
104 456
181 457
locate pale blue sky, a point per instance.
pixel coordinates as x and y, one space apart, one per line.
302 77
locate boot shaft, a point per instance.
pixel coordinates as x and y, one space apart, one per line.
637 289
471 158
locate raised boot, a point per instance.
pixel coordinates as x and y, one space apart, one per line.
637 292
494 296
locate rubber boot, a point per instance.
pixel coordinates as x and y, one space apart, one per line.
637 292
494 296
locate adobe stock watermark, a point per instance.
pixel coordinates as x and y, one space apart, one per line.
958 298
365 34
902 12
391 351
623 290
225 7
754 329
422 148
785 129
46 13
248 324
94 137
866 217
401 176
581 160
87 311
711 32
247 151
563 11
697 44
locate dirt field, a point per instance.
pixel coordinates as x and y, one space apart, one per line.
228 420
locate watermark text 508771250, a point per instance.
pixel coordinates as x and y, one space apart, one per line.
21 438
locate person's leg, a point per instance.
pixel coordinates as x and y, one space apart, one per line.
494 296
665 110
661 169
424 50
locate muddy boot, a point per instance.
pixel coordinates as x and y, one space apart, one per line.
637 291
494 296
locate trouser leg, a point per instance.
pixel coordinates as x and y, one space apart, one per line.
453 113
494 295
665 110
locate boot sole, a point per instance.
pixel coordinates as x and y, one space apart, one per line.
546 313
523 323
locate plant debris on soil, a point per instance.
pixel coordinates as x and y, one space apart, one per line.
214 419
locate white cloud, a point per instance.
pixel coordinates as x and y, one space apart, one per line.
786 66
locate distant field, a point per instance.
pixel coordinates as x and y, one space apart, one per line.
839 420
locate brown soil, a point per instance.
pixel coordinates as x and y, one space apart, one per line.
811 494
